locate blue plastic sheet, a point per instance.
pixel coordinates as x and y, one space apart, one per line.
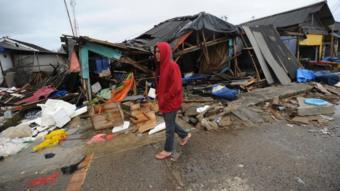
224 92
304 75
315 101
331 59
194 77
327 77
60 93
102 64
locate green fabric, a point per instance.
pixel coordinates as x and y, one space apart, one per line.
105 93
98 49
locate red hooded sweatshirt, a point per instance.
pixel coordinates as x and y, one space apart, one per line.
169 86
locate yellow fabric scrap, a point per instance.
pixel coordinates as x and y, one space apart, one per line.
51 140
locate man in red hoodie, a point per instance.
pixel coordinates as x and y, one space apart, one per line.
169 96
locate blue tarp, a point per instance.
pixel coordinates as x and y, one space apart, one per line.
194 77
304 75
59 93
224 92
331 59
315 101
327 77
102 64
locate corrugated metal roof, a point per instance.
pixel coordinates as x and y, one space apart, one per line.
300 17
172 28
121 46
16 45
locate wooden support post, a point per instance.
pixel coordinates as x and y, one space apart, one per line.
298 51
237 69
332 44
258 77
178 57
205 51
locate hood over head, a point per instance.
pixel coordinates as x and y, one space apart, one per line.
165 53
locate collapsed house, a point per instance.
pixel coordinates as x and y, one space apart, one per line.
334 44
114 82
100 62
303 30
202 43
28 60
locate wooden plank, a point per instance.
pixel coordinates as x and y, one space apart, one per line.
205 52
128 60
275 66
279 50
259 55
198 47
78 178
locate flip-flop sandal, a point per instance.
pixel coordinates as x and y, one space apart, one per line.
185 140
161 156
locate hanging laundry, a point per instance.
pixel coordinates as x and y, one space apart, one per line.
74 62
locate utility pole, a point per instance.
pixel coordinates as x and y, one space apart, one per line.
69 18
75 23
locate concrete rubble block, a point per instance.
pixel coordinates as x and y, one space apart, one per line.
247 115
225 121
192 111
209 125
308 110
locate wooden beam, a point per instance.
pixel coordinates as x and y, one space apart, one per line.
332 44
259 56
128 60
293 33
276 67
198 47
205 51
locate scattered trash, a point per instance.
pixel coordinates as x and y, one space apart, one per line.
49 155
299 180
96 87
152 93
51 139
44 180
327 117
337 84
202 109
19 131
72 168
99 138
158 128
56 112
12 146
123 127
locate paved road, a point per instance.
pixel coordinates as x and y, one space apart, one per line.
271 157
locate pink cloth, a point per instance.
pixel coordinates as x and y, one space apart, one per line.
44 180
74 62
100 138
41 93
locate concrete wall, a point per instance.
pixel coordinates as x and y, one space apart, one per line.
6 64
36 63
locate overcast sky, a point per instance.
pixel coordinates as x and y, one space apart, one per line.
42 22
